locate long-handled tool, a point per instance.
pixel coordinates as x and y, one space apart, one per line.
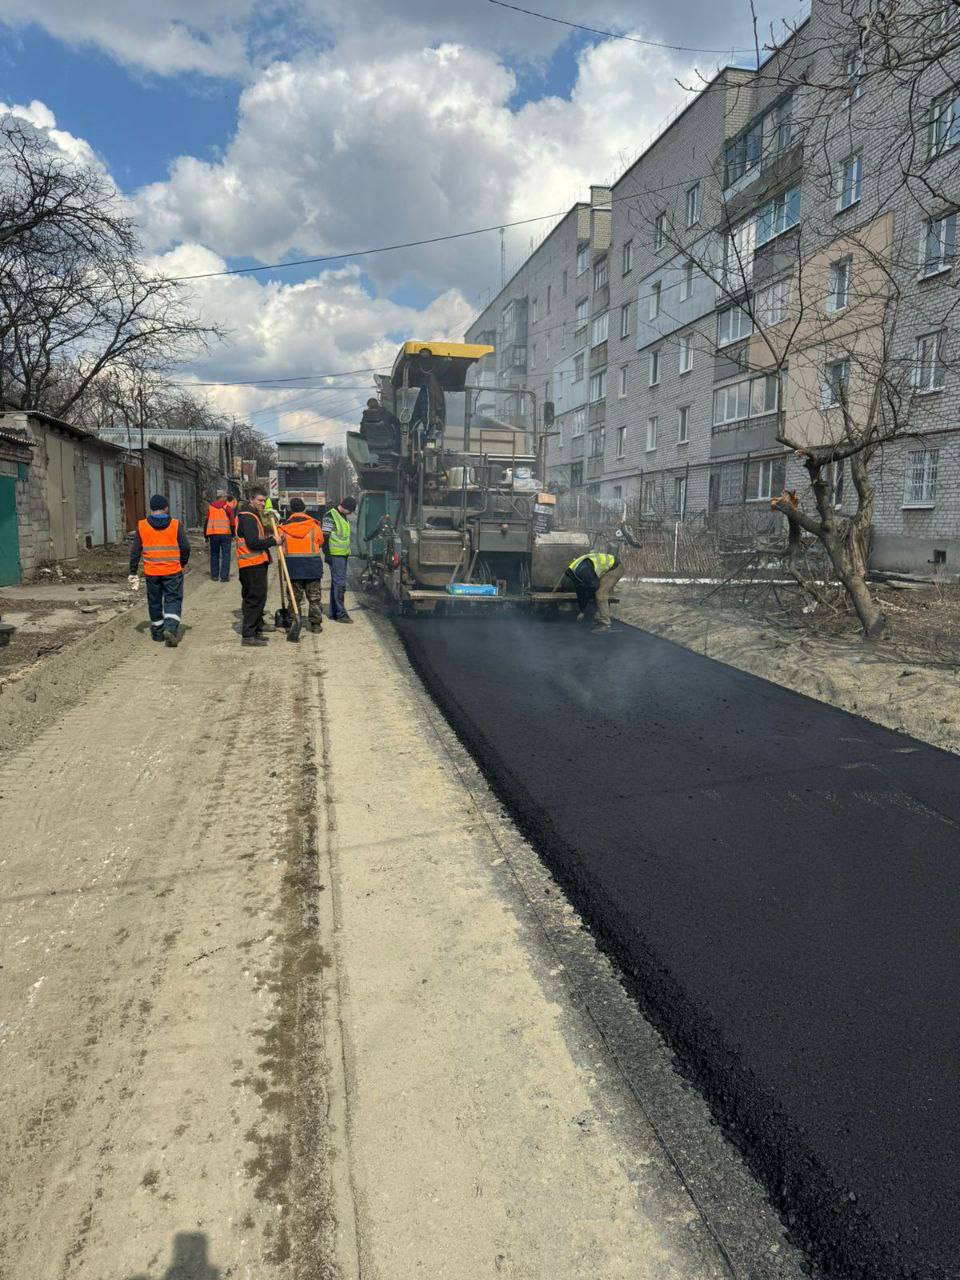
282 618
293 631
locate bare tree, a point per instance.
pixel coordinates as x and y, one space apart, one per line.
75 297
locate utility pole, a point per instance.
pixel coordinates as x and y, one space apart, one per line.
140 405
503 258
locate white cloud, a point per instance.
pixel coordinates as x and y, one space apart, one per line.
334 153
41 117
326 324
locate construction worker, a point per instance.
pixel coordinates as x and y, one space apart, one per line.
162 543
253 560
336 551
218 531
303 548
593 577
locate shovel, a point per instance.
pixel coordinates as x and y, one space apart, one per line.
282 618
293 631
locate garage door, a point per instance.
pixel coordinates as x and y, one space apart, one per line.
9 542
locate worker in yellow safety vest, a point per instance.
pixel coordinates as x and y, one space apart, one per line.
593 576
336 552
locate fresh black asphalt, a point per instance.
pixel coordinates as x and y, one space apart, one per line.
780 883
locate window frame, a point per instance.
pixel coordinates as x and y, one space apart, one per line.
748 396
600 324
692 215
949 99
599 376
659 227
683 424
762 309
686 282
855 158
583 259
936 366
626 257
685 348
625 320
831 387
601 274
653 427
622 395
929 475
654 298
842 269
621 442
945 260
654 367
581 320
579 366
788 202
579 426
738 337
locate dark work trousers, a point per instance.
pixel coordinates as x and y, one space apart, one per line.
164 603
313 590
338 585
586 596
220 556
253 597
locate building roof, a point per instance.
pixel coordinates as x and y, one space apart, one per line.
168 453
48 420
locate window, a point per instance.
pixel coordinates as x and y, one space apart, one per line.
839 296
598 386
920 481
583 258
652 425
659 230
686 281
627 259
576 475
928 363
625 320
597 442
533 355
738 250
679 496
653 301
731 483
693 204
685 362
600 273
534 310
600 328
743 155
549 292
943 131
654 368
621 441
583 307
772 304
782 125
563 288
578 367
649 497
939 244
579 421
733 323
851 181
835 383
765 479
779 215
547 342
835 473
683 425
750 398
852 68
623 382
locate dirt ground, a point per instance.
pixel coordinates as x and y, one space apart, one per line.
286 997
909 681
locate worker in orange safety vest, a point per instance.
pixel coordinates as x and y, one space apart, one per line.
253 560
218 531
161 542
303 547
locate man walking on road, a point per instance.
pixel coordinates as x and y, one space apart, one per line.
218 532
593 577
303 542
162 542
253 560
336 532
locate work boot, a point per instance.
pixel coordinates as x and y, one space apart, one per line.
345 617
581 616
257 642
171 639
156 636
600 629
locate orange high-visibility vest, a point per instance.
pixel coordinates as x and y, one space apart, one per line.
302 535
161 550
246 559
218 522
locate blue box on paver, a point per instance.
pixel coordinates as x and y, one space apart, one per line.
471 589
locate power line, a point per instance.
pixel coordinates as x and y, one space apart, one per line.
360 253
611 35
300 377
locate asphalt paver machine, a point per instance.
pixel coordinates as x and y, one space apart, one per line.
452 513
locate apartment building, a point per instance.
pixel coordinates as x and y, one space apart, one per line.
735 288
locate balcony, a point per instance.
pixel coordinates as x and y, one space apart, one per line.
598 356
601 299
576 446
513 358
594 468
598 411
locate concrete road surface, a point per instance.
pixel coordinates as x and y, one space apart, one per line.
284 996
781 881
